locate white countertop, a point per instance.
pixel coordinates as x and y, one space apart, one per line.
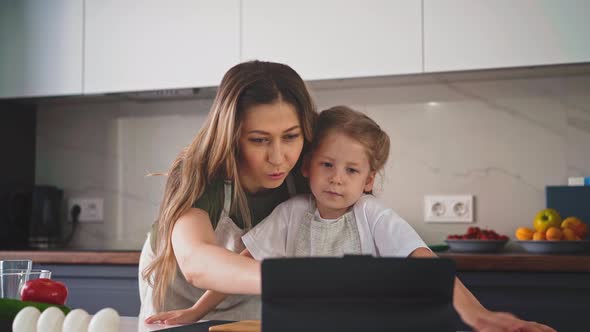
132 324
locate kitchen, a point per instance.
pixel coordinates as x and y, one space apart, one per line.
479 100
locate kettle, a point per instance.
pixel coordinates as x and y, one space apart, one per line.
45 226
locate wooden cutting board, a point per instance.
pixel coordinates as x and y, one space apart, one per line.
241 326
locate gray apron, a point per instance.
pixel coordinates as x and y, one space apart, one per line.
182 295
326 238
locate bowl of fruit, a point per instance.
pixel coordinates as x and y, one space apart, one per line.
552 235
477 240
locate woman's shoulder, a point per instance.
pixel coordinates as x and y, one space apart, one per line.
211 201
213 191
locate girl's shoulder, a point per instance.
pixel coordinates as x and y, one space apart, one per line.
372 209
301 202
370 203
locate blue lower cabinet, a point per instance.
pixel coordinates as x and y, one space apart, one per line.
94 287
561 300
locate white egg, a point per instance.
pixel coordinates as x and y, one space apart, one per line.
26 320
51 320
106 320
76 320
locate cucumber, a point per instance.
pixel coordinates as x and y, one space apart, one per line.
10 307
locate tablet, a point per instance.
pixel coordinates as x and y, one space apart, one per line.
357 293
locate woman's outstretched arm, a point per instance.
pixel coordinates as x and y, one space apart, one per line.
205 264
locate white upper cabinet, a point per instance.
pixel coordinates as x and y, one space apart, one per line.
335 39
40 48
153 44
71 47
468 34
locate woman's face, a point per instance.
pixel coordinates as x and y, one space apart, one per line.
271 140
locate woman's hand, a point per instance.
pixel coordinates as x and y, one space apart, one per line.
490 321
478 317
182 316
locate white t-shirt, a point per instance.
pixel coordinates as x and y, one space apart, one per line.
382 232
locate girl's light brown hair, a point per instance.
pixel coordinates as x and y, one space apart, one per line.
213 153
357 126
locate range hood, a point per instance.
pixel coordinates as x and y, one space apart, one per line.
167 94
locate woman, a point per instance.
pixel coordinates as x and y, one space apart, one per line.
233 174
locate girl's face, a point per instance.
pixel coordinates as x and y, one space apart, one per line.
339 173
271 140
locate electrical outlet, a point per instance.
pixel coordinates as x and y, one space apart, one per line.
448 208
91 209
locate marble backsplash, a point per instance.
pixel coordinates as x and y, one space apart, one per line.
499 138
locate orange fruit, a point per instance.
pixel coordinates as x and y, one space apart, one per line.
569 234
575 224
539 236
524 233
553 234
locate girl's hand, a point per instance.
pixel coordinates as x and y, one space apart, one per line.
182 316
490 321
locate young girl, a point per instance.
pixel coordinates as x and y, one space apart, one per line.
342 217
235 172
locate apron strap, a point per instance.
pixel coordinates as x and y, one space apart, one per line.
226 197
312 206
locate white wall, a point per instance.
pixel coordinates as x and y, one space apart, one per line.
501 139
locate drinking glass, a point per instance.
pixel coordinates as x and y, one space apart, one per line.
11 281
16 264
